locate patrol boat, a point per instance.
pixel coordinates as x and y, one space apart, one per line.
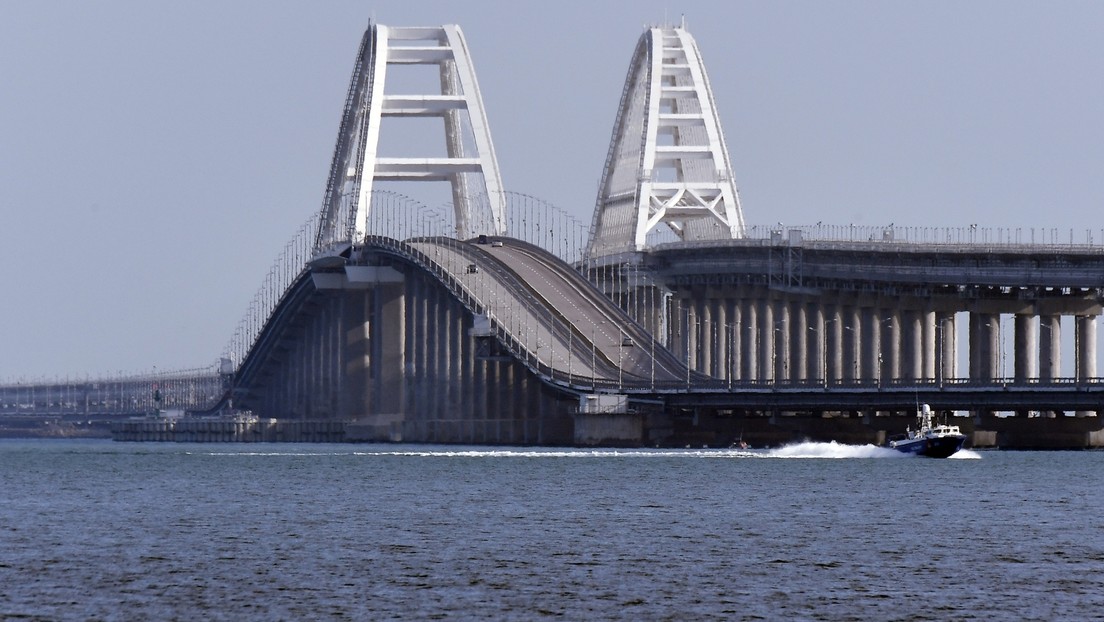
933 441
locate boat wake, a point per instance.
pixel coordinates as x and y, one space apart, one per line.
806 449
832 449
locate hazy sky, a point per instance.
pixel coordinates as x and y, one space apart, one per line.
156 156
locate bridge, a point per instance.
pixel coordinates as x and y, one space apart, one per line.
500 319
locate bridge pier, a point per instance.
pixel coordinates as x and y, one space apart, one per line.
1085 333
780 332
948 343
835 332
1050 346
751 344
800 341
1026 352
913 346
766 340
930 341
852 341
872 343
891 348
818 354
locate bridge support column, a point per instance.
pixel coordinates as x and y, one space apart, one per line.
679 338
1086 352
852 344
929 330
749 342
1086 346
766 340
985 349
693 332
356 395
948 345
1050 347
1026 347
735 340
781 334
872 344
891 345
388 335
706 339
835 343
721 341
818 354
913 346
799 370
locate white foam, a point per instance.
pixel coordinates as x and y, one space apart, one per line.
833 450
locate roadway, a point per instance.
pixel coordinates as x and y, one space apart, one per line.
558 321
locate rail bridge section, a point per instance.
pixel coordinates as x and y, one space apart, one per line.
678 324
789 309
491 340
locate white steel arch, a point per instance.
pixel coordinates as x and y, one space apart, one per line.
470 158
667 162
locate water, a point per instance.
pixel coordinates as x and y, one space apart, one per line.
96 530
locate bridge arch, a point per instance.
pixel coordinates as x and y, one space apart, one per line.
667 162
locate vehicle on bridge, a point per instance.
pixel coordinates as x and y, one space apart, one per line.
933 441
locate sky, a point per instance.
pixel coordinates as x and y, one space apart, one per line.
156 157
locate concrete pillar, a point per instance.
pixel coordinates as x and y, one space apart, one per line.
987 346
928 328
852 342
706 335
819 341
766 340
912 345
736 345
390 348
1026 351
1050 347
948 345
750 343
835 330
781 332
891 345
872 344
723 342
355 395
799 341
1085 336
693 329
457 334
974 352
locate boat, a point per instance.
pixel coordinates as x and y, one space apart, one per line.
929 439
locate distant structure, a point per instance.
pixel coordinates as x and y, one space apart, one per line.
478 202
667 162
481 322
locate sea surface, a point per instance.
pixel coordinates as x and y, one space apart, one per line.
95 530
